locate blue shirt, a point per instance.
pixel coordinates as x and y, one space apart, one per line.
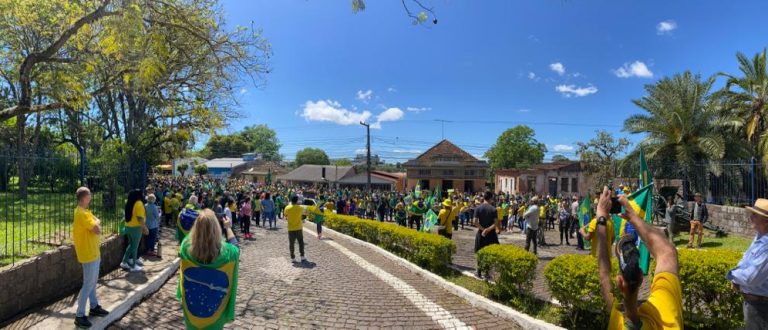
751 274
268 206
152 215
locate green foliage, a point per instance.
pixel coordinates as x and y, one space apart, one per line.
182 168
262 140
201 169
515 267
708 300
313 156
600 155
429 251
559 158
341 162
574 281
219 146
516 148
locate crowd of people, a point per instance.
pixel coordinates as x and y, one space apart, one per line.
206 213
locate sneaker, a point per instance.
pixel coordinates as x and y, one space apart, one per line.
81 322
98 311
139 262
136 269
125 266
303 259
698 246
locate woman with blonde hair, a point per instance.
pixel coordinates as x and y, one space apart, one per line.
208 276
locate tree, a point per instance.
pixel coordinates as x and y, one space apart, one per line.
516 148
559 158
342 162
201 169
219 146
418 18
313 156
262 140
600 155
182 168
681 122
745 102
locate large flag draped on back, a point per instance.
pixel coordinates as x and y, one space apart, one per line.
642 203
585 215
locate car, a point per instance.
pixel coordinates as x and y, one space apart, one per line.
308 202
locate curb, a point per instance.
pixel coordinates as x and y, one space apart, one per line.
497 309
118 310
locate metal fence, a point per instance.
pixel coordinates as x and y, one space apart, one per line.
734 183
41 217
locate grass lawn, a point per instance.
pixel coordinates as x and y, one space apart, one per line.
44 221
710 241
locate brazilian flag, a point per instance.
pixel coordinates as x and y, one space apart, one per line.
585 215
430 220
642 203
207 291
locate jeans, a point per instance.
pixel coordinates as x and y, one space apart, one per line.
131 252
152 239
755 315
565 228
88 291
415 220
530 236
257 217
319 227
245 224
269 216
293 236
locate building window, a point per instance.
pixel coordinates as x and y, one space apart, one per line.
448 172
424 172
469 172
482 173
564 184
574 185
532 183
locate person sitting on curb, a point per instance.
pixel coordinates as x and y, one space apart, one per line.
663 309
750 276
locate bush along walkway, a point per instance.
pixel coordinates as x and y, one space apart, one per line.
117 292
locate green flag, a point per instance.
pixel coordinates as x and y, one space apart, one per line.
585 215
430 220
642 203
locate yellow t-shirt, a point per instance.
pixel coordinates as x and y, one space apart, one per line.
86 242
167 207
329 207
499 213
444 218
610 234
663 310
293 214
138 212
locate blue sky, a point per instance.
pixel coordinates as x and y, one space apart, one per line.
565 68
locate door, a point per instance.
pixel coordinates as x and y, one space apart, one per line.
468 186
447 184
552 186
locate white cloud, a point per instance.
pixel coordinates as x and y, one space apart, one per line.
532 76
557 67
533 38
562 148
364 96
391 90
634 69
243 91
332 111
524 110
407 151
361 151
666 27
391 114
417 109
573 90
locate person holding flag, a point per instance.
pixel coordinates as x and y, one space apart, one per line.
444 219
417 210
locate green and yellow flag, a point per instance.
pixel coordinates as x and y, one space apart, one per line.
642 203
585 215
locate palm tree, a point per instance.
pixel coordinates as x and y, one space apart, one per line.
681 123
745 102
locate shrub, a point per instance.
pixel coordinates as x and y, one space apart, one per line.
708 300
575 282
429 251
515 267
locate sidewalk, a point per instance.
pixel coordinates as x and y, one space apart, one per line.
117 291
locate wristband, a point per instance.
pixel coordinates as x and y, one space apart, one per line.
601 221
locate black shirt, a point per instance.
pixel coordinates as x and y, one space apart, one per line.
486 214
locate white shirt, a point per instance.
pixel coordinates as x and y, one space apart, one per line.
532 217
575 208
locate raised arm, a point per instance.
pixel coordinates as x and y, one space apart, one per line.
603 260
661 249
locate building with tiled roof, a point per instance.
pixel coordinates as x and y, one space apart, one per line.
447 166
563 177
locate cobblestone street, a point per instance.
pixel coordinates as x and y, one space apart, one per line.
344 285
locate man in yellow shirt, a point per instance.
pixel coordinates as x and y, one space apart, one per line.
85 236
663 309
444 218
589 234
293 215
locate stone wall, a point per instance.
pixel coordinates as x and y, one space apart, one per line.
49 277
732 219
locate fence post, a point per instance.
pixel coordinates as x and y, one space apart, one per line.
82 166
753 180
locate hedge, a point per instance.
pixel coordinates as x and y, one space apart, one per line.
515 268
708 300
429 251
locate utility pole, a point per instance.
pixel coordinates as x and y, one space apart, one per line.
368 156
